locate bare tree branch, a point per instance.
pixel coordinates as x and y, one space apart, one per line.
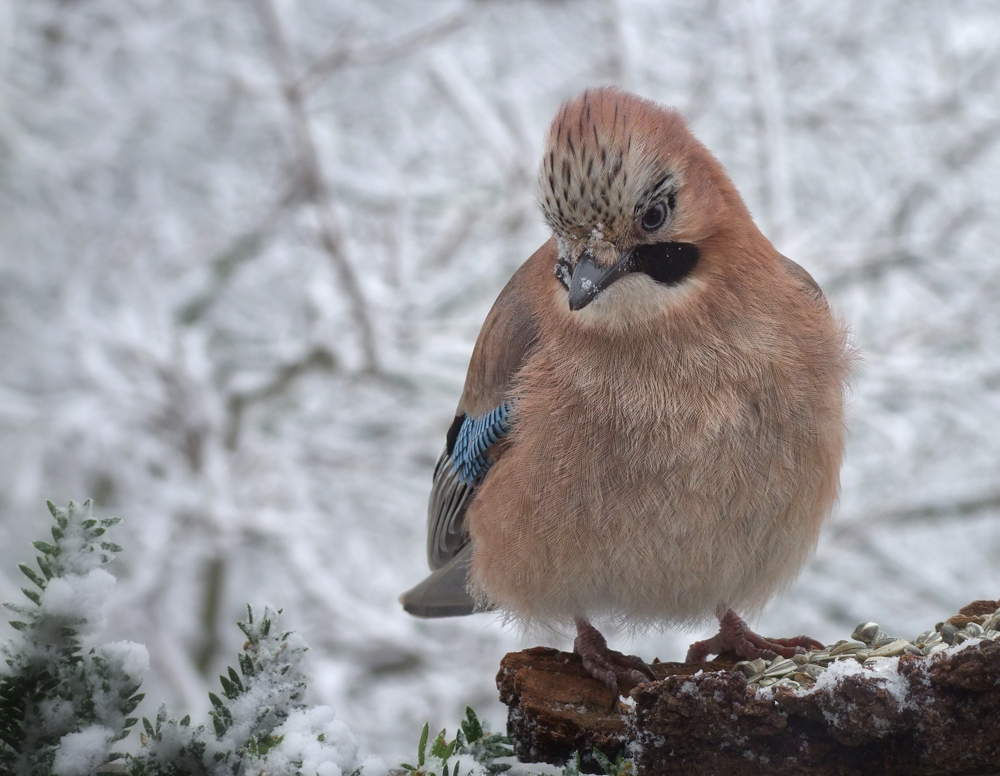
346 54
855 530
872 269
453 237
311 172
612 24
972 146
240 250
769 114
317 359
480 114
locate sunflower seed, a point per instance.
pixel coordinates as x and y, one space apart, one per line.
780 667
869 646
847 647
812 671
893 648
745 668
865 632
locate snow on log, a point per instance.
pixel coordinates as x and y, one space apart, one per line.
936 713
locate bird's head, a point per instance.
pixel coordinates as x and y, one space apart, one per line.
630 195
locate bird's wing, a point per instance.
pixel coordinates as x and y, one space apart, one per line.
802 276
485 414
463 463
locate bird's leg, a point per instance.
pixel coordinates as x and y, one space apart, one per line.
735 635
608 667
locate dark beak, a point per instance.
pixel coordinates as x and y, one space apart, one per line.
589 279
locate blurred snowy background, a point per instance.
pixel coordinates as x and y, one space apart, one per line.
246 247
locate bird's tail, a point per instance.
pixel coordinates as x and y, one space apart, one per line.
444 593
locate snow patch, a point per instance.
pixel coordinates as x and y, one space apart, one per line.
885 673
128 658
315 741
80 753
837 671
79 598
888 672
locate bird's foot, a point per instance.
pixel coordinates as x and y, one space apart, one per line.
610 668
735 635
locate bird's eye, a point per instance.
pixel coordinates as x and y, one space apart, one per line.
653 218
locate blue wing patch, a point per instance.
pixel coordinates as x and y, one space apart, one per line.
475 437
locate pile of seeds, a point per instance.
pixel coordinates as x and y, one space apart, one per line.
868 645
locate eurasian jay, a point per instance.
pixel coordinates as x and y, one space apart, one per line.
652 423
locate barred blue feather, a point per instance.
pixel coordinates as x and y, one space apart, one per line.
474 438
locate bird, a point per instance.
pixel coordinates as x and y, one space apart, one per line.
653 420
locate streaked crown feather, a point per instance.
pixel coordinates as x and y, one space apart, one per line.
604 163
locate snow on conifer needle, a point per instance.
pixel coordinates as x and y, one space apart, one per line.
63 708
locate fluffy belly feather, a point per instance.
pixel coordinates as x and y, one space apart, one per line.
718 506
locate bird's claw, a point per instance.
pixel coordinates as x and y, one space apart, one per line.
735 635
612 669
800 644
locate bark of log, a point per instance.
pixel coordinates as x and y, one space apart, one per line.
932 715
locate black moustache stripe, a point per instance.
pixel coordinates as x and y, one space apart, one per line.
564 271
667 262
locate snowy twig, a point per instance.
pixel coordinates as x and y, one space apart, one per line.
769 112
317 359
909 516
310 169
470 102
612 25
346 54
241 249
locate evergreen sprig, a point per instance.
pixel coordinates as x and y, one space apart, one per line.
621 766
471 739
53 688
255 700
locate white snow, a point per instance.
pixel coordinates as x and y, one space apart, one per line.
129 658
79 598
80 753
322 743
884 673
56 714
837 671
887 672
